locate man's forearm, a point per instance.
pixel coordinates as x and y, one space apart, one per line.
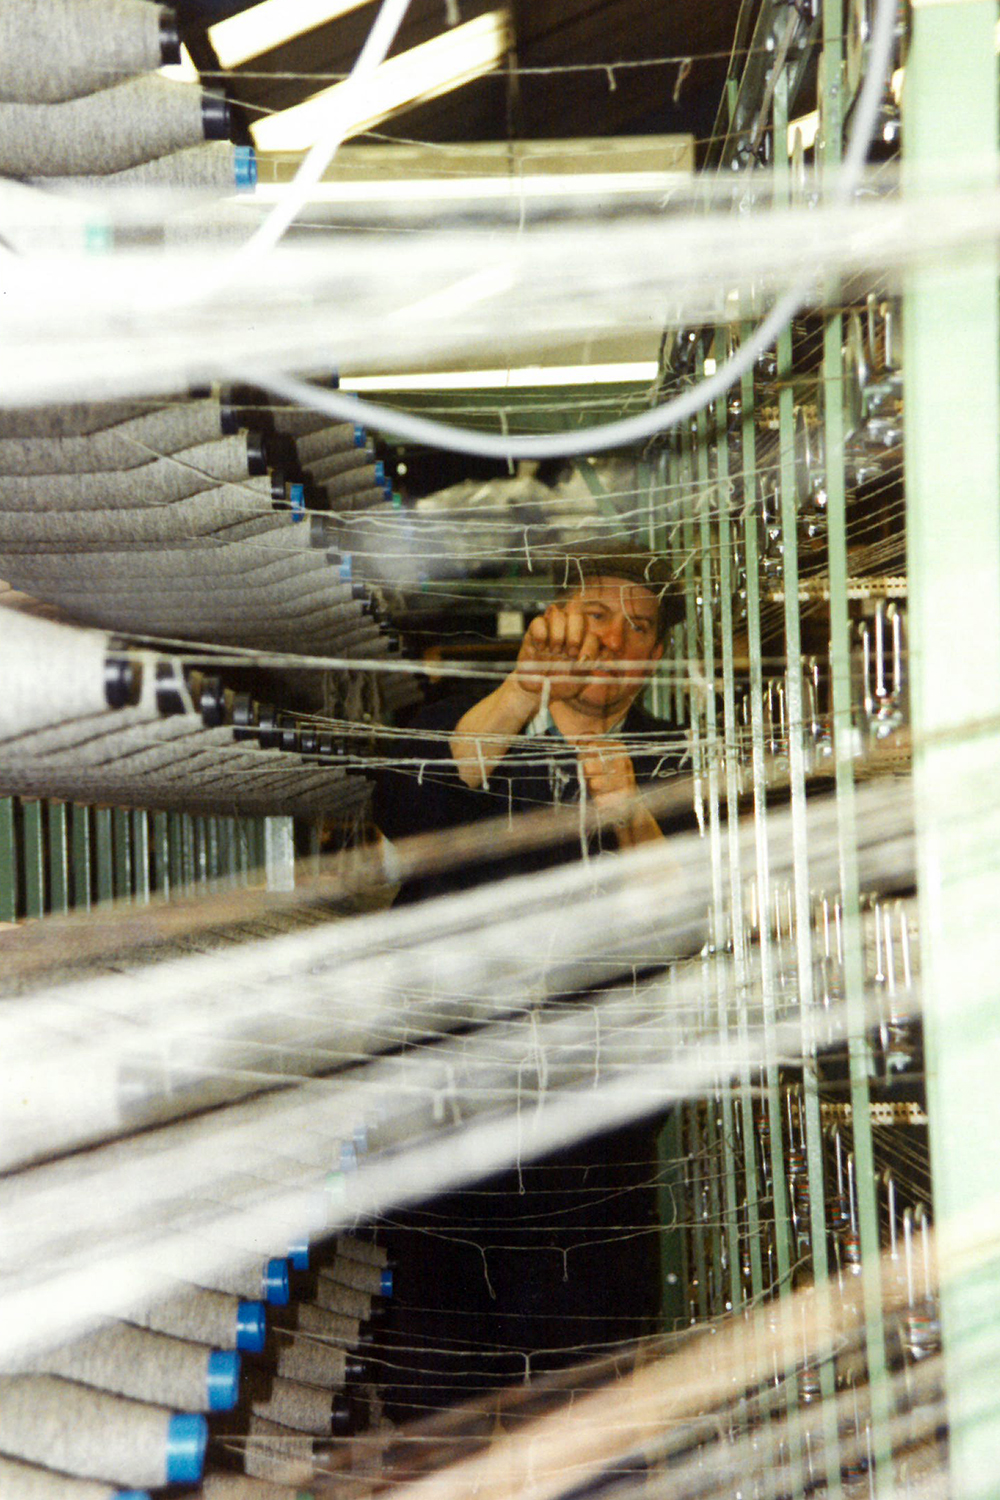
483 735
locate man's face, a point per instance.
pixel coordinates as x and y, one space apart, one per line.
622 617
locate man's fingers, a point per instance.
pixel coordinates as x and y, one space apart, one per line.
538 632
555 619
599 773
607 767
576 628
604 750
589 648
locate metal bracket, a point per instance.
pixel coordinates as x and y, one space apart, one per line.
884 1112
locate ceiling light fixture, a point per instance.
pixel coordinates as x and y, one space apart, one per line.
444 63
527 376
181 72
263 27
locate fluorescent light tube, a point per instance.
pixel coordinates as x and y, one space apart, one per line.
445 62
263 27
640 371
182 72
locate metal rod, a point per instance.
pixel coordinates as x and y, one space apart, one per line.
104 846
33 853
59 870
80 831
8 861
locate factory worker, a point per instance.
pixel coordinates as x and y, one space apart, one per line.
565 722
536 1268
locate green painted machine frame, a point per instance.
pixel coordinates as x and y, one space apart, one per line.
752 1183
60 857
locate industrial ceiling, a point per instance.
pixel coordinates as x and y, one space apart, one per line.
577 68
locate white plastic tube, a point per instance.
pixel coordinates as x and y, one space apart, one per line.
629 430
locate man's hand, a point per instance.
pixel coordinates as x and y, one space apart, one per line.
607 770
609 776
559 648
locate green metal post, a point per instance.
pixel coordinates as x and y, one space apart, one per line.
776 1127
670 546
775 1132
649 480
58 832
189 860
213 847
199 845
671 1211
227 847
720 1132
80 833
749 519
175 851
707 1120
104 842
591 478
731 762
257 861
8 861
698 1164
952 445
242 836
795 721
859 1059
689 573
122 835
33 849
162 880
140 854
702 1230
671 1206
829 150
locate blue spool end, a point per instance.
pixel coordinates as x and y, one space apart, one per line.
244 168
348 1157
187 1439
379 471
346 568
223 1380
360 436
131 1495
298 1254
276 1285
251 1327
297 501
386 1286
361 1139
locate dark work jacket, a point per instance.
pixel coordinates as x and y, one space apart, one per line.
426 794
561 1259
